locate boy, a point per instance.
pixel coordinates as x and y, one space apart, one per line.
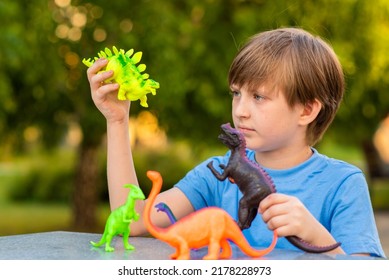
286 88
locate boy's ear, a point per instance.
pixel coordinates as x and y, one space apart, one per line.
310 112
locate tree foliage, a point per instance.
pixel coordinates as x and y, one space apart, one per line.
188 47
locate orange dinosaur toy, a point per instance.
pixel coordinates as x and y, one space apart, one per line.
210 226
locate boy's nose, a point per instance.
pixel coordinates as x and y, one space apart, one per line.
241 110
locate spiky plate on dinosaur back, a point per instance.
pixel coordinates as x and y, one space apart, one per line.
133 84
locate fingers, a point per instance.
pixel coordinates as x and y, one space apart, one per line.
96 75
270 200
105 89
96 67
283 213
272 208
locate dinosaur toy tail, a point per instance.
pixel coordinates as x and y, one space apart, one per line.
305 246
248 250
157 181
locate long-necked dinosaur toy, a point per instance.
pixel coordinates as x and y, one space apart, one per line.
210 226
254 183
163 207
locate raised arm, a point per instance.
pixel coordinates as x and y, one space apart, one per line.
120 166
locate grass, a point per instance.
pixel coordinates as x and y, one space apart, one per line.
18 218
31 217
21 218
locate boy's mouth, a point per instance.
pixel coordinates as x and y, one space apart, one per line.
244 129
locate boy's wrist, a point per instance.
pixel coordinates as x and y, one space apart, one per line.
117 125
320 236
117 120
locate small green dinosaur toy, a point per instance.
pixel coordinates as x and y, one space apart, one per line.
133 84
119 220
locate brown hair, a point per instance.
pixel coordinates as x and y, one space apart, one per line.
303 66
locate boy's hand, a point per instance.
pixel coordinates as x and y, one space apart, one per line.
288 216
105 95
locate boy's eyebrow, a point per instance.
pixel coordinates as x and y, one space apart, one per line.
260 90
234 87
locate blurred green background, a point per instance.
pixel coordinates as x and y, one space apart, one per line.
52 138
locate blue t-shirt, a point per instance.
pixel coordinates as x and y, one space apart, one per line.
334 191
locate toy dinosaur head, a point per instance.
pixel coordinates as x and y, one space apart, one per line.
231 137
160 206
135 191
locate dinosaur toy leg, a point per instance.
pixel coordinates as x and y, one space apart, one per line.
213 250
121 94
108 247
143 101
247 212
244 215
215 239
182 251
226 249
175 254
126 244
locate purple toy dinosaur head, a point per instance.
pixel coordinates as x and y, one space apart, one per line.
231 137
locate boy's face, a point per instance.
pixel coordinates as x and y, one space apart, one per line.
268 123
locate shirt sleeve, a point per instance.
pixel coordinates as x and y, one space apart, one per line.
353 222
199 185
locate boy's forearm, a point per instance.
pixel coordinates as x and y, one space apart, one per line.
120 165
320 236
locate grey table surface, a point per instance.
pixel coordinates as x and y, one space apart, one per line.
64 245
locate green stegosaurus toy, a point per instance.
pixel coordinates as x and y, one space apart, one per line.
133 84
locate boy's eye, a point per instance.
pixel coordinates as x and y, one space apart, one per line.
234 93
258 97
